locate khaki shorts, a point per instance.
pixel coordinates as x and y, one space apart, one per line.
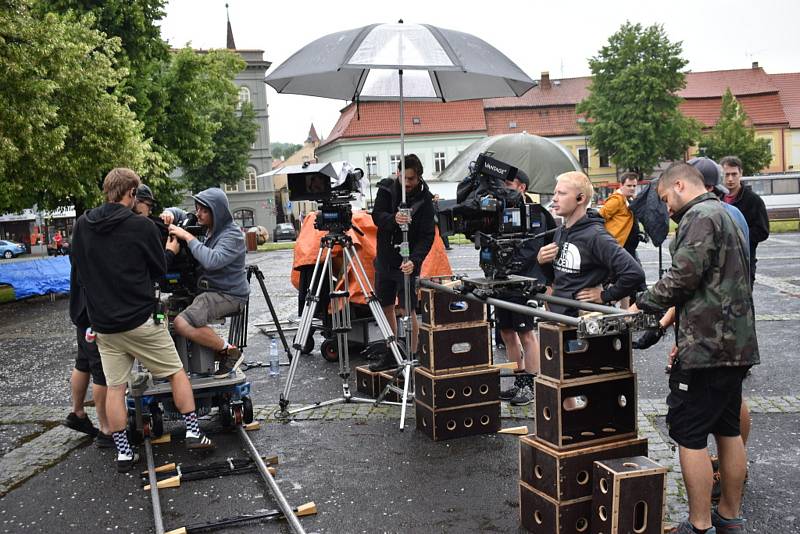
210 306
149 343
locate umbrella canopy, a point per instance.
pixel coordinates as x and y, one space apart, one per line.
540 158
364 63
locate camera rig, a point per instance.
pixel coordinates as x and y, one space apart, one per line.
494 216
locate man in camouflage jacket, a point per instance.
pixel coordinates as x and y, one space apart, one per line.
716 343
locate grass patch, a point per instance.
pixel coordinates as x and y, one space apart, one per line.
6 293
266 247
780 227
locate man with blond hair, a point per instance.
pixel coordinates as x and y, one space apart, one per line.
117 256
583 254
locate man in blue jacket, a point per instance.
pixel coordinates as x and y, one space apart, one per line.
222 278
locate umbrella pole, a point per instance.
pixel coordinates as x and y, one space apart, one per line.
405 252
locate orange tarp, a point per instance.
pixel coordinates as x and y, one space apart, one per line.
307 246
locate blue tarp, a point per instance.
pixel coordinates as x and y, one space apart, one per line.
36 277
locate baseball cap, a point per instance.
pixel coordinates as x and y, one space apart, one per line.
522 177
711 171
144 194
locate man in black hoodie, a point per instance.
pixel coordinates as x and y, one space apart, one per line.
750 204
117 256
390 268
583 254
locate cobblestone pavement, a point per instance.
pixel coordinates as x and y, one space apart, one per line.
49 446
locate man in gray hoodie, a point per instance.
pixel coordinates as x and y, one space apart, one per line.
222 278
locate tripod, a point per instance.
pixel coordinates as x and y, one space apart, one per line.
340 315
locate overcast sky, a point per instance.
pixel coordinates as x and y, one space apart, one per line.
555 36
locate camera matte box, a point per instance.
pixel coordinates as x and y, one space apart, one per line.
629 496
540 514
456 389
367 381
598 410
442 309
566 357
458 422
444 349
567 475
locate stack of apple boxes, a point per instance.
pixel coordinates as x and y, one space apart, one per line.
457 391
584 469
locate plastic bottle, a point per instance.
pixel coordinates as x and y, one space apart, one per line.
274 360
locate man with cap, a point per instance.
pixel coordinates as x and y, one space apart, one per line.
143 205
516 329
222 278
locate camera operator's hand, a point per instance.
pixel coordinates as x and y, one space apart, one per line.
649 338
590 294
407 267
547 253
173 245
167 217
180 233
402 218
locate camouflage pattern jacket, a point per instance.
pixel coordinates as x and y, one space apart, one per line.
708 283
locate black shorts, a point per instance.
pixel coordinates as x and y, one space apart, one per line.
389 286
88 359
703 402
509 320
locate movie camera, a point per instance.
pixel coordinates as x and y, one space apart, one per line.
181 277
494 216
332 185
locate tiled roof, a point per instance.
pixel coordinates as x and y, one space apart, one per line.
789 87
383 119
762 110
559 93
714 83
553 121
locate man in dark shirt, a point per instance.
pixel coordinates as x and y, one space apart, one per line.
117 256
749 203
390 269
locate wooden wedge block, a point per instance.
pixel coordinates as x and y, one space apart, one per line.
516 430
181 530
166 438
162 468
171 482
308 508
255 425
506 365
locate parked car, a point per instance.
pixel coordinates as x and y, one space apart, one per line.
9 249
284 231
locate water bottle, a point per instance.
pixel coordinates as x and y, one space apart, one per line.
90 336
274 360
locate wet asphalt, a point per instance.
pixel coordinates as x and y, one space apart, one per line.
365 476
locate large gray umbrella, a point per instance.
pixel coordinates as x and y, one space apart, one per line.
541 158
400 62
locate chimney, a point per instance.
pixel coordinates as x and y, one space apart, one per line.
755 64
544 83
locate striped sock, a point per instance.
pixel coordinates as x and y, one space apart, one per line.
192 426
124 451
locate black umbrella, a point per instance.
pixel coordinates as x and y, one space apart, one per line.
652 213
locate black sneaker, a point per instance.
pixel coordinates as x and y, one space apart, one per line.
386 362
199 442
123 466
523 397
510 393
104 441
232 358
80 424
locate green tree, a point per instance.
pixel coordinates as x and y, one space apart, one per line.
632 108
283 150
731 136
63 120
